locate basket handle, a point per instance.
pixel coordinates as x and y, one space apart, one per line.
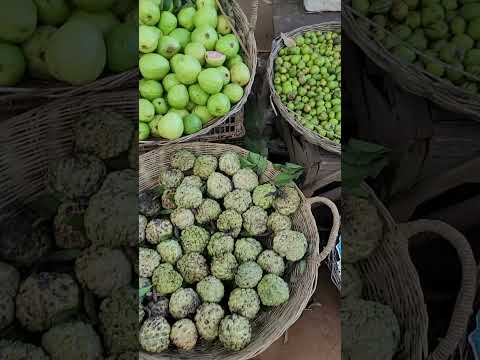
332 239
464 304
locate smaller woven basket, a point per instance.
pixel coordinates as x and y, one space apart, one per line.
268 326
411 78
391 278
288 115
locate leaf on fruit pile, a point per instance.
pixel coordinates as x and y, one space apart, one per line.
254 161
142 292
289 173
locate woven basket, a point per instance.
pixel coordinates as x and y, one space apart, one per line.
288 115
392 279
270 325
408 76
245 31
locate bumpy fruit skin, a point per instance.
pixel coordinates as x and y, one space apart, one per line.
205 165
277 222
273 290
245 179
230 222
263 195
211 289
207 320
158 306
75 340
142 225
119 321
7 310
192 180
9 279
287 202
158 230
255 221
184 302
248 275
188 197
218 185
224 267
168 199
238 200
170 251
229 163
94 264
148 204
290 244
208 211
182 218
154 335
244 302
235 332
166 280
271 262
183 160
171 178
184 334
193 267
68 236
194 239
17 350
148 261
247 249
220 244
46 298
352 285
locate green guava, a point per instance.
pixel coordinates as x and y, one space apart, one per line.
182 36
170 126
146 110
237 59
52 12
203 3
197 50
168 46
206 15
150 89
197 95
240 74
205 35
234 92
211 81
187 70
12 64
192 124
122 49
178 97
153 66
168 22
181 112
191 105
174 61
185 17
143 131
18 20
170 81
35 49
228 45
76 53
226 74
160 105
223 26
215 58
148 12
218 105
203 114
94 5
104 20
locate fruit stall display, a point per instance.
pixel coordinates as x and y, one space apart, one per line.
51 46
197 66
229 251
430 47
305 81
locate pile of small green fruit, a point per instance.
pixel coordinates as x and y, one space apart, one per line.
71 41
440 36
308 81
191 67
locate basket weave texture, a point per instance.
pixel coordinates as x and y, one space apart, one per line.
288 115
391 278
268 326
411 78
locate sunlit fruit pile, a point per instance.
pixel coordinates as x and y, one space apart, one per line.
71 41
191 67
308 81
444 33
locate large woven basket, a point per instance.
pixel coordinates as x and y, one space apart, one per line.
411 78
288 115
391 278
245 31
270 325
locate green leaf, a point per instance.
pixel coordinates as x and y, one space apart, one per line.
254 161
144 291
